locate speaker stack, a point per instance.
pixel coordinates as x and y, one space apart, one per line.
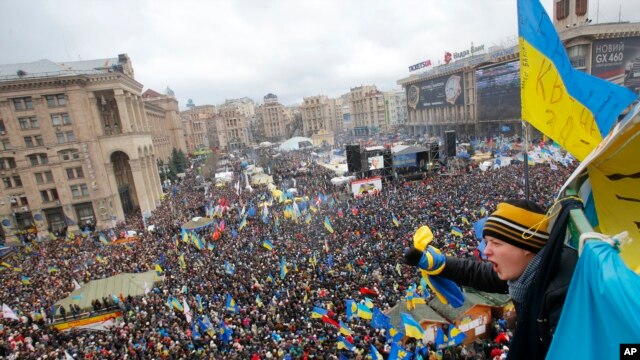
450 143
354 158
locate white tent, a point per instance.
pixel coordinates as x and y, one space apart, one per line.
125 284
296 143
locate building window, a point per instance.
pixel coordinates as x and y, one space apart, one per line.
79 190
49 195
44 177
2 128
581 7
24 103
60 138
60 119
28 141
38 159
562 9
70 136
75 173
578 56
56 100
65 137
71 154
6 145
28 123
7 163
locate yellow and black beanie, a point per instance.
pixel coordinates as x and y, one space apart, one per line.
520 223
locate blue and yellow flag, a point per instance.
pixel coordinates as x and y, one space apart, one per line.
26 280
411 327
159 270
344 329
465 220
456 231
343 344
394 219
351 308
259 301
368 302
327 224
571 107
267 245
197 242
318 312
199 302
243 223
230 304
103 239
283 268
364 312
373 352
183 264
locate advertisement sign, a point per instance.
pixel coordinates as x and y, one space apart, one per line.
436 93
376 162
366 186
617 60
405 160
498 91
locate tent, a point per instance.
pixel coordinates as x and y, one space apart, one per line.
296 143
125 284
197 223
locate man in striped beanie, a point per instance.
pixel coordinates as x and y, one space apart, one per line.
516 235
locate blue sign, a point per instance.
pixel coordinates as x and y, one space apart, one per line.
405 160
37 217
6 223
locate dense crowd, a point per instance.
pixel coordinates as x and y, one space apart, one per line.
273 318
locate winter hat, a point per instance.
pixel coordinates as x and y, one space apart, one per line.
520 223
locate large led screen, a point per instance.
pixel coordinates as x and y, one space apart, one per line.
498 91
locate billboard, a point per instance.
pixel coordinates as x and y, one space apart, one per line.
618 61
436 93
376 162
498 91
366 186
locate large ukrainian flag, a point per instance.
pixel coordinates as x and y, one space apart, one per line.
573 108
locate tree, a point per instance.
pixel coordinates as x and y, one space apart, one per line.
178 161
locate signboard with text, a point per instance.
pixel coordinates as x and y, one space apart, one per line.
618 61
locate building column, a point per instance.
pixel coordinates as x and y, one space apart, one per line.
151 182
121 101
143 115
115 203
141 190
149 193
156 176
133 116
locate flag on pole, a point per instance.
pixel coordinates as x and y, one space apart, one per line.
327 224
571 107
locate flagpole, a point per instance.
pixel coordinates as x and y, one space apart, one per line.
525 132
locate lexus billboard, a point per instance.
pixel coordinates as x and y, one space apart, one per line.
617 60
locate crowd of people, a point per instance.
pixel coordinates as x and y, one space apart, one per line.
272 312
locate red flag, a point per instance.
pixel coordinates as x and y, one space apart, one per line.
328 320
216 235
367 291
340 213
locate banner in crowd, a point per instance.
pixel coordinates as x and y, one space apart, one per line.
366 186
98 322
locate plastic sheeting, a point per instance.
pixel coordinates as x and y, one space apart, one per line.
602 309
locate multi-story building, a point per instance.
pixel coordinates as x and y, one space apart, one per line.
396 107
77 146
321 113
166 127
479 95
195 122
275 119
367 110
244 105
233 128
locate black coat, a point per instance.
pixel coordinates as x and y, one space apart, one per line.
480 275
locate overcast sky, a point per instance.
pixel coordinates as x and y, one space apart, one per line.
210 51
